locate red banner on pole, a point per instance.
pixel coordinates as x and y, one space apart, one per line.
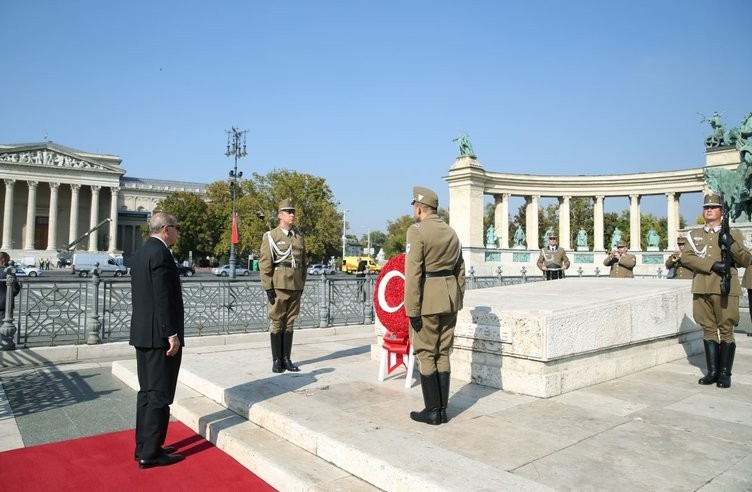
235 239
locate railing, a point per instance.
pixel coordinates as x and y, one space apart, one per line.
75 311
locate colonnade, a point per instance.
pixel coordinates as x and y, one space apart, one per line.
469 184
501 219
53 217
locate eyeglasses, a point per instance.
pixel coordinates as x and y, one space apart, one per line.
176 227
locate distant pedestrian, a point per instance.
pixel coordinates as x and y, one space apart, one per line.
4 263
157 326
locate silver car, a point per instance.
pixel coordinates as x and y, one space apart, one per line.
224 271
318 269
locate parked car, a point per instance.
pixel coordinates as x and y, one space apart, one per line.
27 271
318 269
224 271
187 271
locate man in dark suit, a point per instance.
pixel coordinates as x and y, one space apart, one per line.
157 335
4 263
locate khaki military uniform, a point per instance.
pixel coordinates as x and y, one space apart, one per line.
621 268
282 267
716 314
681 271
434 288
555 260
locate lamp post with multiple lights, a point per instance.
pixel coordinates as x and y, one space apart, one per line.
236 148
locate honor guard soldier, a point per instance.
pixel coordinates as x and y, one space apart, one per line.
434 288
675 261
621 262
553 260
282 267
716 312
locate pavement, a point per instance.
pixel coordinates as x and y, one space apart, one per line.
333 426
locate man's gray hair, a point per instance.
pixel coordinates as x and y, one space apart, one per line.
159 220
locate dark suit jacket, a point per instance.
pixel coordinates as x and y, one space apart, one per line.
157 296
4 290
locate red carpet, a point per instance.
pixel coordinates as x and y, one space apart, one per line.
105 462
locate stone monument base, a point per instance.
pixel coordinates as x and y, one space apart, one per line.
547 338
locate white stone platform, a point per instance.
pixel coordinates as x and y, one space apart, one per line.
547 338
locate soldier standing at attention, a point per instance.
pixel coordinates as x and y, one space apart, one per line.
553 260
717 314
282 267
675 261
434 288
621 262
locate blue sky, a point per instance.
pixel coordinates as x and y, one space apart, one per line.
370 95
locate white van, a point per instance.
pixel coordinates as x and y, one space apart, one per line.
84 263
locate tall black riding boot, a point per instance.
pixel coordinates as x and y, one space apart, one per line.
287 348
431 414
727 362
712 357
444 390
276 340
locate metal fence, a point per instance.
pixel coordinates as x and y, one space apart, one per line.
70 311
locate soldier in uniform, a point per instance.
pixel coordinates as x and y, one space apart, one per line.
717 314
434 288
282 268
675 261
553 260
747 284
621 262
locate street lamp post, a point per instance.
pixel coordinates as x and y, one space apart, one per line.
236 148
344 233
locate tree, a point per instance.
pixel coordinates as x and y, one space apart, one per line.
396 236
197 234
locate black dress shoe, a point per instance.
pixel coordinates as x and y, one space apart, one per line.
161 460
165 450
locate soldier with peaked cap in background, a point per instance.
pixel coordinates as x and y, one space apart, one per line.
675 261
553 259
282 267
621 262
434 288
717 314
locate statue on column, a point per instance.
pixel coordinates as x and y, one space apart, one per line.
718 137
519 238
466 148
491 237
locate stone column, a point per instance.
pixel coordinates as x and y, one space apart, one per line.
565 239
31 209
52 226
113 218
671 223
73 228
531 222
677 215
8 215
598 224
501 219
634 223
94 216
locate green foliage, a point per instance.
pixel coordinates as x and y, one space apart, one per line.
396 235
197 234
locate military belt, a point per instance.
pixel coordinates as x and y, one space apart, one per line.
440 273
285 264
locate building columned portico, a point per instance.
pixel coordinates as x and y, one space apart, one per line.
470 183
53 195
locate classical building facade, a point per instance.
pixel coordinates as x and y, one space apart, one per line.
53 195
470 183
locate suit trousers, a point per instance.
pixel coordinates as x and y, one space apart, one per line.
716 314
157 380
285 310
433 343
